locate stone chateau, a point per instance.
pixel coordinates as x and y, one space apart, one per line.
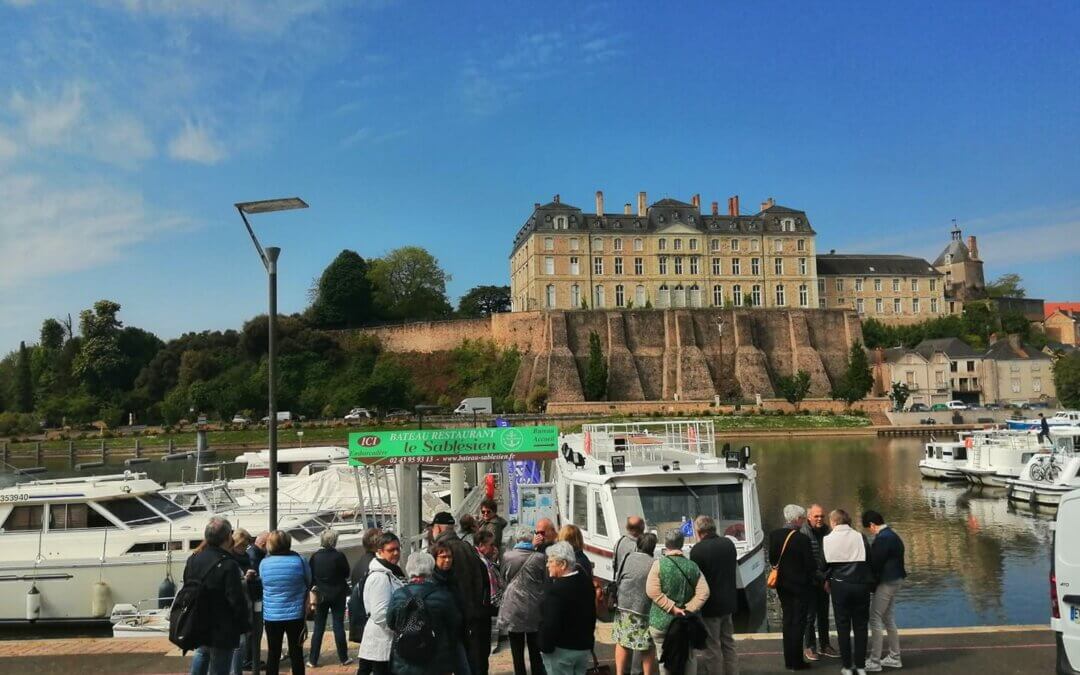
670 255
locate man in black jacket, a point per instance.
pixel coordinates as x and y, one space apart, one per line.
887 564
330 575
817 614
469 580
717 559
226 608
796 581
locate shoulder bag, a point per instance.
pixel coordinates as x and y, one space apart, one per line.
774 573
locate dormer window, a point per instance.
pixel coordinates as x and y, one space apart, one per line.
560 222
787 225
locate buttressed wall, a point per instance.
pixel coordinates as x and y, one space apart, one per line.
685 354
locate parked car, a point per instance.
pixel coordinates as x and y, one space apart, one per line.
480 405
993 406
283 416
956 405
398 414
202 421
919 407
928 420
358 415
1065 584
241 420
939 407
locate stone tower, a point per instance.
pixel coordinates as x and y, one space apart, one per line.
963 270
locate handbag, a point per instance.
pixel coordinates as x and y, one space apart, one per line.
774 573
598 668
312 603
610 601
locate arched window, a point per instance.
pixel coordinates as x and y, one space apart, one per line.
560 222
781 296
639 296
551 296
718 295
620 297
804 296
678 298
663 299
755 295
575 297
695 296
598 300
736 295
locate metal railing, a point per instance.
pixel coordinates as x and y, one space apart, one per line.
650 440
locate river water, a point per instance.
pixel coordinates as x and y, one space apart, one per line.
971 559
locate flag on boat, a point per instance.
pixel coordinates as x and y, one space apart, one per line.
588 443
692 434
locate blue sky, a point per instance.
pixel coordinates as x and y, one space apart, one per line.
128 128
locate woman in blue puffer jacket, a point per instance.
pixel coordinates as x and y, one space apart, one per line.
286 580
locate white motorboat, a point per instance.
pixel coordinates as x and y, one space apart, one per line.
669 473
1047 477
1062 418
996 455
71 549
942 460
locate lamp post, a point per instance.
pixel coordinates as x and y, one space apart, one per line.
269 257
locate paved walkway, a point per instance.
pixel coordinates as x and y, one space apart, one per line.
984 651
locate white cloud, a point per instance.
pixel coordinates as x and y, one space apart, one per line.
49 229
244 16
48 120
196 143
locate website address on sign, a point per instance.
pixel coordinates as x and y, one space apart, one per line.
492 457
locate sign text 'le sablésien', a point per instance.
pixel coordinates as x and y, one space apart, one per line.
453 445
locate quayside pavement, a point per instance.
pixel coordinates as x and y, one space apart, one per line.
984 651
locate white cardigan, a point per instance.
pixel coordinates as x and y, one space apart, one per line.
377 640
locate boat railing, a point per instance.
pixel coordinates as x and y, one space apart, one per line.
650 441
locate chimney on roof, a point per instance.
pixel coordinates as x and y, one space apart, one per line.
735 201
767 203
716 208
641 204
555 199
696 201
599 202
626 209
536 205
973 248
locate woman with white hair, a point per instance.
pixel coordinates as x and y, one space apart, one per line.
441 613
330 573
519 613
567 614
792 557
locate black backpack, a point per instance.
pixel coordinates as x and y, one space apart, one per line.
415 638
358 615
189 622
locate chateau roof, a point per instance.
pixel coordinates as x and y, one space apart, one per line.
1007 350
958 251
871 265
660 215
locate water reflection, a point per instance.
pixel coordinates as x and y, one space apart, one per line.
972 560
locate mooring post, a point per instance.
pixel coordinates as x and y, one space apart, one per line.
138 449
4 452
71 454
170 446
37 453
103 450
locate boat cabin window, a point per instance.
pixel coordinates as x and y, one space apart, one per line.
165 506
24 519
580 508
75 517
666 506
598 510
131 511
960 453
154 546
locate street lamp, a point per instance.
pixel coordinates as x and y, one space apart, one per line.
269 259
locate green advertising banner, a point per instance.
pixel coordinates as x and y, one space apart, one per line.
431 446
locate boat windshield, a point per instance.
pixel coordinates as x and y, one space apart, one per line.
170 509
667 506
131 511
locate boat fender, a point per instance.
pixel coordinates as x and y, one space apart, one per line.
165 593
1033 500
99 600
33 603
489 486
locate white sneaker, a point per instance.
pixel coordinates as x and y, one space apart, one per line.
860 671
846 671
873 666
892 662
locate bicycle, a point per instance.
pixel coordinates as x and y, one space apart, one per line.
1047 469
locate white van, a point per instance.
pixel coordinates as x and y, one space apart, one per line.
480 405
1065 585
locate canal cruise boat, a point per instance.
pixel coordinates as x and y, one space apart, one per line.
1046 478
943 460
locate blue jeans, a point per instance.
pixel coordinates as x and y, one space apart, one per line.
212 661
336 608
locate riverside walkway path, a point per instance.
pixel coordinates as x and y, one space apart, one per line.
942 651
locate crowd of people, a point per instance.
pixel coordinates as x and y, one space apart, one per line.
671 613
819 561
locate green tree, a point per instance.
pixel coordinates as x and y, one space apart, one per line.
857 379
596 372
899 394
52 334
979 321
342 297
484 301
1006 286
409 284
1067 380
24 382
794 388
99 361
389 386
